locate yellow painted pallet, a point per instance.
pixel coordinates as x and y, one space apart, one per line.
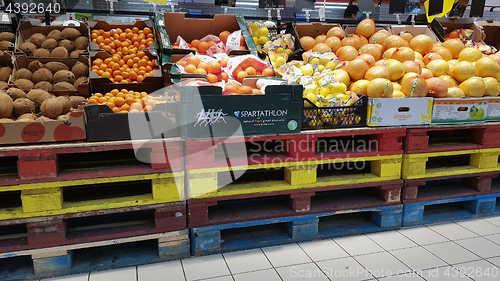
415 166
206 183
47 199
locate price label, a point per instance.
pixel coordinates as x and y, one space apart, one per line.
157 1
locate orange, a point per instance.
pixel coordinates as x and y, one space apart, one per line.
241 75
123 36
267 72
120 95
197 71
110 104
125 107
92 100
140 78
135 30
109 95
99 39
102 100
245 90
117 72
202 65
190 68
101 31
143 62
194 60
203 47
106 74
118 44
137 106
114 92
147 30
116 109
256 92
118 78
119 101
211 43
214 68
133 110
148 108
107 41
116 36
181 63
106 34
140 54
125 74
223 36
250 71
97 95
212 78
223 62
232 87
132 75
108 60
243 48
224 76
129 100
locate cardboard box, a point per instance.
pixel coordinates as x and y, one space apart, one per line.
206 113
47 131
6 59
107 26
103 124
493 112
26 29
415 30
172 25
314 29
97 83
450 25
399 111
22 61
492 33
459 110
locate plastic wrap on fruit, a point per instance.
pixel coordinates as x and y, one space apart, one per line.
466 34
240 63
181 43
326 59
486 49
233 41
311 89
276 60
470 43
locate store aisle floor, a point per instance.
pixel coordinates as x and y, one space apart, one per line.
465 250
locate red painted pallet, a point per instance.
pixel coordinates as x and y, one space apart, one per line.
23 164
438 138
267 205
448 187
92 226
308 145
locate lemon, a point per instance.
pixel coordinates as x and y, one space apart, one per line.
256 33
325 92
253 26
331 65
279 50
280 61
263 31
314 60
307 70
321 68
312 98
263 40
288 51
338 88
256 40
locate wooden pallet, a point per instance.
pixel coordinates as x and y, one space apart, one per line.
439 164
92 226
24 164
308 145
439 138
102 255
269 232
65 197
279 176
436 188
277 204
453 209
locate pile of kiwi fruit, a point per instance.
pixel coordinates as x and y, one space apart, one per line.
68 43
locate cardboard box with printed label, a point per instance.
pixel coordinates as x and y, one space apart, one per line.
415 30
207 113
399 111
459 110
493 112
492 32
451 25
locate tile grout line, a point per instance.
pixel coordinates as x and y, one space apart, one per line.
320 269
183 270
136 273
227 265
275 270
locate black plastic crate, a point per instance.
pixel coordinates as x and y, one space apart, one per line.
315 117
284 29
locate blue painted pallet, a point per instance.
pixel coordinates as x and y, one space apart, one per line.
81 258
269 232
451 209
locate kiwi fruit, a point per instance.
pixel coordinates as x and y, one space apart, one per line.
41 53
80 70
54 66
38 96
27 117
5 73
42 74
66 102
44 85
49 44
3 85
6 105
16 93
37 39
81 43
64 86
80 81
23 105
28 48
55 34
23 73
7 36
35 65
4 45
59 52
70 33
24 84
67 44
77 100
76 53
64 76
52 108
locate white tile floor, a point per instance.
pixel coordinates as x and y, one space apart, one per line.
466 250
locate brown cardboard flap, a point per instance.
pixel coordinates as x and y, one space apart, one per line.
492 33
